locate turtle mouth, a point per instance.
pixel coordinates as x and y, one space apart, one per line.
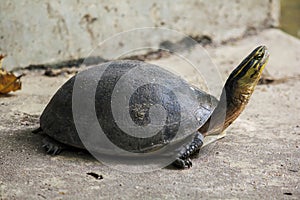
264 59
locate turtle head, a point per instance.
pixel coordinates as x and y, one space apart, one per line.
241 83
246 76
237 91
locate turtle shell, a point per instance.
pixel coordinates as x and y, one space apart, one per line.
138 106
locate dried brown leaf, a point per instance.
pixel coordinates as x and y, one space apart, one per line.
8 81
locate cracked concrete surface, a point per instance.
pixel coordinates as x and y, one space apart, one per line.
258 159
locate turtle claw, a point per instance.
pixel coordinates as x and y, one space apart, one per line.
52 147
56 150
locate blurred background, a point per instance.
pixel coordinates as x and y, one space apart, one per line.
36 33
290 17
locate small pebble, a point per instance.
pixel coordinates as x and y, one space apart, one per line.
96 176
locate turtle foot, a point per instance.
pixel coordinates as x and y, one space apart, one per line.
53 147
184 161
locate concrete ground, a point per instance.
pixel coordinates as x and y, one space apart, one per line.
258 159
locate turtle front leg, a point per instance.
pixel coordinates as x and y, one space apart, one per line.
184 161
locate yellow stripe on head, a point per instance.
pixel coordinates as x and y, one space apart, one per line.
250 69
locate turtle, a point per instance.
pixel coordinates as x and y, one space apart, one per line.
205 115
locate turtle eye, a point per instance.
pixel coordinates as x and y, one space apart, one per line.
259 56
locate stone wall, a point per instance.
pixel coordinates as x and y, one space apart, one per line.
38 32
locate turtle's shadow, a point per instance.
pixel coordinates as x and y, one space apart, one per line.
32 142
